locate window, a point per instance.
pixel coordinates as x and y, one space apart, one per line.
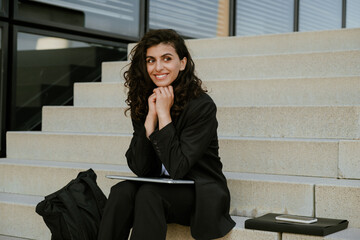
197 19
320 15
264 17
115 17
3 8
3 83
46 68
352 13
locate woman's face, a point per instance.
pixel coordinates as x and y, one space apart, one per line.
163 64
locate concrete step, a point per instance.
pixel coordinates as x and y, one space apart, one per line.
252 195
178 232
347 234
259 193
21 213
232 93
99 95
290 121
2 237
31 226
21 219
302 157
261 121
301 65
68 147
334 40
49 176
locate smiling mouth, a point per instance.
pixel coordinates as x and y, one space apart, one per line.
160 76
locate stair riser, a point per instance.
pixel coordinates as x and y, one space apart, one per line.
347 234
302 158
339 203
22 221
349 160
248 197
68 148
332 64
56 178
295 122
256 198
294 157
293 92
345 39
178 232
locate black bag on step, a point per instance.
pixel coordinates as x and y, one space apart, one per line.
74 212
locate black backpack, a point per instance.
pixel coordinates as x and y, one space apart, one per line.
74 212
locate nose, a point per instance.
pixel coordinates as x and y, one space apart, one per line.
158 66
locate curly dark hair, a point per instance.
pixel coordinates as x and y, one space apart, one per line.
187 85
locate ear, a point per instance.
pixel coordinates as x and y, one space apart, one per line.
183 63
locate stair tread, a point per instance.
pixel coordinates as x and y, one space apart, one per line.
220 137
59 164
228 175
225 81
2 237
356 50
29 200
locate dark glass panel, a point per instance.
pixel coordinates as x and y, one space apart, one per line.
47 67
112 16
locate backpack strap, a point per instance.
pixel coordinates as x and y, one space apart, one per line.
98 194
71 205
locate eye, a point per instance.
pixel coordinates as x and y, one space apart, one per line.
150 60
166 59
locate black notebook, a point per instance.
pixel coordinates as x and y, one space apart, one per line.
323 226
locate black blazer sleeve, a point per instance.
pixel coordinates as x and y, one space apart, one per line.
141 157
180 148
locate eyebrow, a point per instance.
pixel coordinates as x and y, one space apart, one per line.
165 54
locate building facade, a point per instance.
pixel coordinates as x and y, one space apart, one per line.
48 45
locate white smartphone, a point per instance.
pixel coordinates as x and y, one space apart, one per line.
295 219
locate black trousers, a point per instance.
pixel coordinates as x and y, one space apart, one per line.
146 208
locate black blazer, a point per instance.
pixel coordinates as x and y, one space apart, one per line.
189 149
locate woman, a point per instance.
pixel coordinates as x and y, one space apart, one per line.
175 135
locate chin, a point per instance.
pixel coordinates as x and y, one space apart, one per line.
162 84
